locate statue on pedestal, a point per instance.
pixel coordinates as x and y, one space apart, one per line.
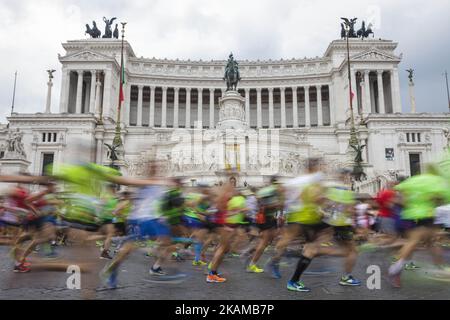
232 76
15 148
94 32
350 23
108 24
410 74
365 32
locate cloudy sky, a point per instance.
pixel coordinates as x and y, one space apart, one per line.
32 32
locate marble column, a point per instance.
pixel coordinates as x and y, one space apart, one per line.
79 91
380 91
211 108
319 106
412 97
294 107
139 106
65 85
283 107
176 106
271 120
331 103
188 108
258 108
199 108
247 105
152 107
164 108
92 95
395 84
126 104
107 92
307 108
98 85
367 101
49 96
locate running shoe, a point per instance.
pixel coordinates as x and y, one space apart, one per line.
411 266
199 263
395 280
105 255
297 286
367 247
326 244
109 277
254 268
26 263
177 256
21 268
210 267
157 272
215 278
274 270
349 281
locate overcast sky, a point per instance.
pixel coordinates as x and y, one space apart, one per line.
31 33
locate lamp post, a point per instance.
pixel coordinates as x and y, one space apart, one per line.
117 142
448 92
353 141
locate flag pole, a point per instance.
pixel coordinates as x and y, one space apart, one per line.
14 93
117 137
14 96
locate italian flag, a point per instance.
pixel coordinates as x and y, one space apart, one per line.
122 82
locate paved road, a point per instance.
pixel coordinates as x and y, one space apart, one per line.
133 280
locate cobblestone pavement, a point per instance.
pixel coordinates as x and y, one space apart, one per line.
134 280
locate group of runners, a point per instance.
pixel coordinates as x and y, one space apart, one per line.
325 214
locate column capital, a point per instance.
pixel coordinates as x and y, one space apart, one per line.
270 89
282 89
319 87
164 88
258 90
80 72
153 87
294 88
199 89
211 90
176 89
140 86
188 90
246 90
306 87
380 71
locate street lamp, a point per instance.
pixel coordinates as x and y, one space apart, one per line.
116 151
353 141
117 137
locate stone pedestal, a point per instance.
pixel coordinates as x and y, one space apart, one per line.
232 112
13 166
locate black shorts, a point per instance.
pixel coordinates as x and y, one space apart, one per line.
312 231
344 233
121 227
429 223
270 223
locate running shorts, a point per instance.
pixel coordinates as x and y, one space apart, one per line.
139 229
